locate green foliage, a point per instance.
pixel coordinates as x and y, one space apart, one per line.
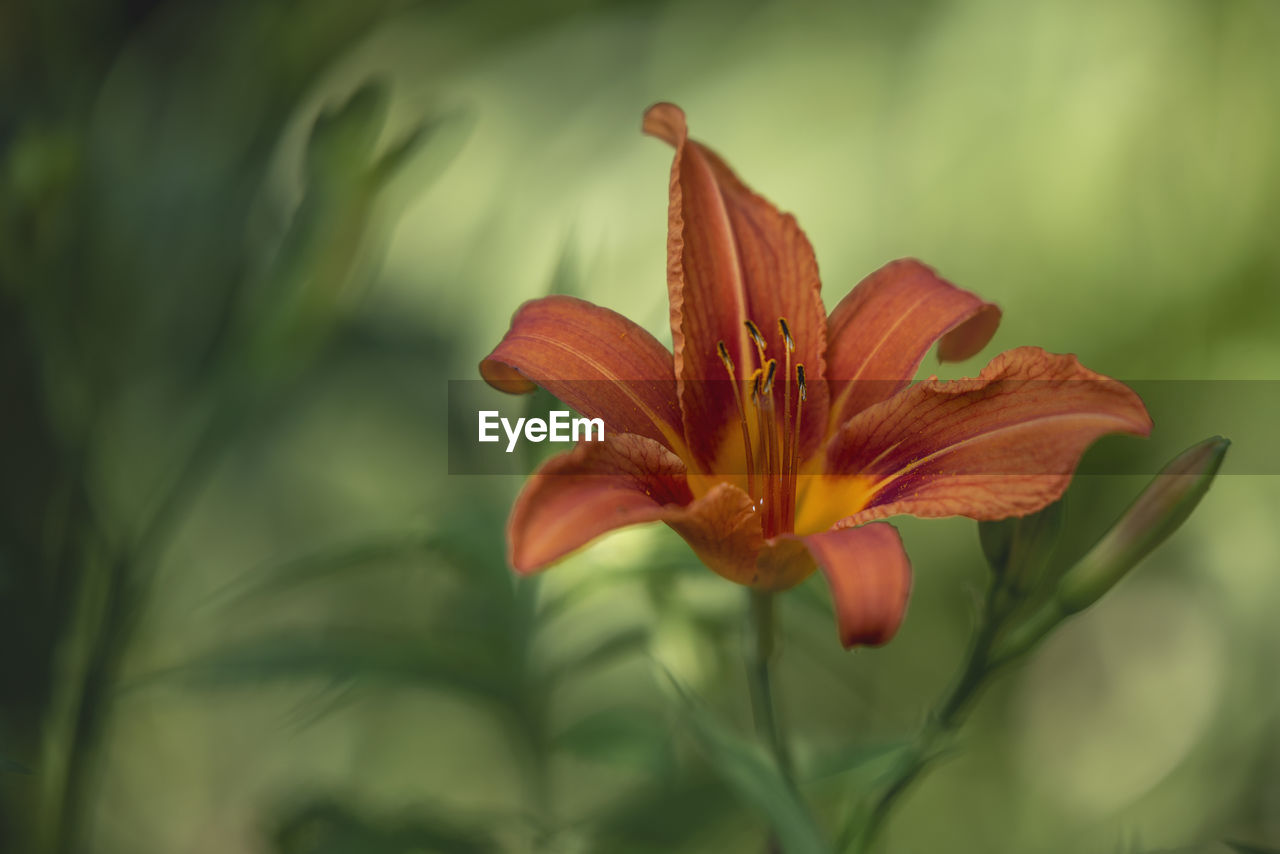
1243 848
8 766
325 827
635 738
755 777
196 376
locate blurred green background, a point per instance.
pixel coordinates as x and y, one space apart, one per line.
244 247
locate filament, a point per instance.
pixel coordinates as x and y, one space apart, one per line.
742 414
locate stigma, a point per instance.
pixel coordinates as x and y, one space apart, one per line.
770 398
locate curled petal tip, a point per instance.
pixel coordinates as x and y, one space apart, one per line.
971 335
505 378
666 121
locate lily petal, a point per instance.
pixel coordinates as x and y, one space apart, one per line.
880 332
597 487
732 257
870 579
725 531
1004 444
593 359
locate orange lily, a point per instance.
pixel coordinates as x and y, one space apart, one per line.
775 436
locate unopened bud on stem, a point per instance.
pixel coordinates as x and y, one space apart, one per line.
1159 511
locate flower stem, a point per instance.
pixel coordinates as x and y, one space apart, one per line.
944 721
759 659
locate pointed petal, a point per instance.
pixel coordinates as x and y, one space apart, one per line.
880 332
593 359
870 580
732 256
597 487
1004 444
725 531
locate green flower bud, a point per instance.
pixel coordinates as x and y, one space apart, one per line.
1018 549
1159 511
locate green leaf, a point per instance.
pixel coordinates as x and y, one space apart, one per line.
345 656
818 765
8 766
686 806
332 828
755 778
1245 848
329 562
617 646
619 736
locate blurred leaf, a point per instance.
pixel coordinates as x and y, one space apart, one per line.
1245 848
817 765
344 656
619 736
448 133
8 766
329 562
686 807
331 828
653 574
345 135
603 653
753 775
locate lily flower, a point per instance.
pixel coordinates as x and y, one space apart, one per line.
776 437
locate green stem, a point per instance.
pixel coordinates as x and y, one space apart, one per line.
948 716
107 626
760 656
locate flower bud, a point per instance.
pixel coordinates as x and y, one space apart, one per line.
1159 511
1018 548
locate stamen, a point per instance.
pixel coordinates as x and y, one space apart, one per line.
773 465
773 461
761 462
770 368
786 335
742 415
801 394
757 339
725 357
788 468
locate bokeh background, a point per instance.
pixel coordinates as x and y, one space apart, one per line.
245 246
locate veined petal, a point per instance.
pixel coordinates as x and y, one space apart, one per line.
725 531
880 332
732 257
870 580
1004 444
593 359
597 487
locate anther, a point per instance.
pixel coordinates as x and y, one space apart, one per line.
724 357
800 380
754 332
786 335
770 368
